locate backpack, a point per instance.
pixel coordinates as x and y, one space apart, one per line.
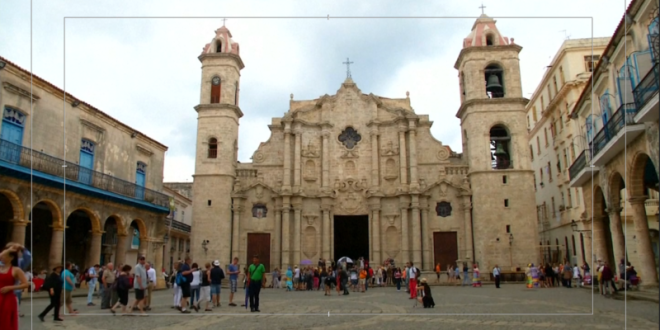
180 279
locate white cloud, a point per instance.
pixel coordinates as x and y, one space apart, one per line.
145 72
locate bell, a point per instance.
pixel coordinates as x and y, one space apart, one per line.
499 150
493 83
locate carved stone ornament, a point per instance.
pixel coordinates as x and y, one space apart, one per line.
350 202
237 185
311 218
352 194
259 211
391 218
259 191
443 189
389 150
258 157
311 151
349 137
350 154
443 153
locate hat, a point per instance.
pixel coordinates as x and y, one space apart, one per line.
423 280
216 263
58 266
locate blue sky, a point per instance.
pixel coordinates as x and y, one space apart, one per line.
145 71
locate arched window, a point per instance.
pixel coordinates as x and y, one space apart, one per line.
215 89
589 125
494 81
219 46
605 107
213 148
500 144
489 40
625 84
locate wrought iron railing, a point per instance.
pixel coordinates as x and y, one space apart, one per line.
178 225
579 164
623 116
647 87
39 161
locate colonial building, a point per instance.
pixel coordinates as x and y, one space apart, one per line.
178 223
356 174
552 150
618 168
83 190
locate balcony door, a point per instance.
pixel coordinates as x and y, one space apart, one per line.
11 135
140 179
86 164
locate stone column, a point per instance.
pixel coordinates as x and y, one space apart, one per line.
375 236
286 235
235 235
427 262
467 216
158 264
405 245
94 256
403 161
18 231
332 236
644 248
325 164
286 182
416 232
56 247
296 233
296 159
412 134
325 238
144 247
618 241
122 240
375 180
598 234
278 237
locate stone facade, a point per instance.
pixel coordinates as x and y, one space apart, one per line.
371 158
619 122
110 204
554 143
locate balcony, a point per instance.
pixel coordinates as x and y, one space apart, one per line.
581 171
646 97
178 225
20 162
619 131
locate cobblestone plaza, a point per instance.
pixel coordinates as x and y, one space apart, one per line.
381 308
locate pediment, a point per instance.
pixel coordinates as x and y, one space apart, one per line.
444 182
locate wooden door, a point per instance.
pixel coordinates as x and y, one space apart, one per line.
259 244
445 248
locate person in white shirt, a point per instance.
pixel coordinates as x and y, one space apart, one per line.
151 277
496 274
296 278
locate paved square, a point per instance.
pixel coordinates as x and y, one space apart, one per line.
371 309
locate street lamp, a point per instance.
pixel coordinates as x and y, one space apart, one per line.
204 245
510 252
510 238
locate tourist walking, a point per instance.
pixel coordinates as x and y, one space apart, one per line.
139 285
10 274
289 279
91 279
151 277
185 280
107 281
256 278
412 276
466 279
122 285
69 285
233 271
205 288
437 272
476 280
276 278
397 279
194 285
53 285
496 274
217 275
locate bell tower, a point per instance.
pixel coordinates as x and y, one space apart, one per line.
216 148
494 132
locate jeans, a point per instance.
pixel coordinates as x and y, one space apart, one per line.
497 281
398 284
90 291
255 288
466 279
322 283
344 286
194 295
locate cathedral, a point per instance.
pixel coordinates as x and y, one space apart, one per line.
360 175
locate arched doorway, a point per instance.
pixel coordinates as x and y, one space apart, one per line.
78 239
137 234
7 210
109 240
39 234
604 249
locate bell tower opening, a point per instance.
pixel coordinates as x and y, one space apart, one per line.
489 40
494 87
500 154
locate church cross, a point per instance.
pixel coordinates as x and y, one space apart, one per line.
482 8
348 67
223 21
